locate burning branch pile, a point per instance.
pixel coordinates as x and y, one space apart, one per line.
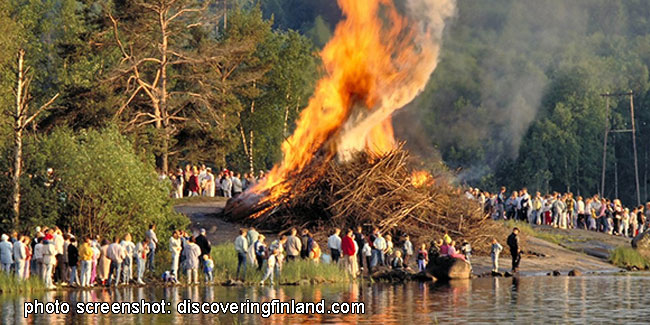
379 192
342 167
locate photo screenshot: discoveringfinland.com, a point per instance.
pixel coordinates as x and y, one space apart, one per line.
265 308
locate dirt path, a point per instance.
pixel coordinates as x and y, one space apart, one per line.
206 215
572 253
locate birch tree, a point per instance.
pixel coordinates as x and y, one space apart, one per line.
22 116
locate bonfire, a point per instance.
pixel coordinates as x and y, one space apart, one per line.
342 166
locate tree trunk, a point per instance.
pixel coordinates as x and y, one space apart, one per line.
18 162
18 139
163 117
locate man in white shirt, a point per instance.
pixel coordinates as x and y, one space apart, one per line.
175 246
378 249
20 254
334 244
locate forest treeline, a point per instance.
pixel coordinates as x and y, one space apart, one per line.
164 83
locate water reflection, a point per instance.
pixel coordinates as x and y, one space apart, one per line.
590 299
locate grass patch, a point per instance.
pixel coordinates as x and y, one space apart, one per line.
625 257
9 283
225 267
526 229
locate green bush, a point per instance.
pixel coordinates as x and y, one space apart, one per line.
625 257
101 186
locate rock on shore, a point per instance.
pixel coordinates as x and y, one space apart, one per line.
449 268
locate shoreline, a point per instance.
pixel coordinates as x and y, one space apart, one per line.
540 258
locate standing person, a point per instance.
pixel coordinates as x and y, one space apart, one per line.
59 242
304 240
104 263
37 256
6 254
193 182
241 247
73 260
423 258
360 239
251 235
127 264
515 250
49 261
192 262
315 253
141 252
366 251
203 243
226 185
278 245
97 253
349 249
334 244
208 267
581 220
116 255
379 247
494 254
210 183
86 256
20 257
237 186
408 249
501 204
293 246
153 243
175 247
538 204
524 204
388 253
178 184
260 251
270 266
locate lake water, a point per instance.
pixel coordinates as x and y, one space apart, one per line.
525 300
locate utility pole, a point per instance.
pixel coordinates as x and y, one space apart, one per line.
632 130
636 160
602 179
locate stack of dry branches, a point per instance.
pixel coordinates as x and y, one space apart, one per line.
379 192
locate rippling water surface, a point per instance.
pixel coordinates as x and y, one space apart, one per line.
552 300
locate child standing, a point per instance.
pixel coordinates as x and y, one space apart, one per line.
208 266
423 258
367 252
270 267
496 250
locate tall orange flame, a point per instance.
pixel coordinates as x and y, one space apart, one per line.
378 60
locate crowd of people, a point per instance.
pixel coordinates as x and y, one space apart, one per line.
565 211
351 249
59 258
202 181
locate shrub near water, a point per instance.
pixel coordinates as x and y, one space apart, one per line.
628 257
225 267
10 284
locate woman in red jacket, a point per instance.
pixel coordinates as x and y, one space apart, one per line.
349 248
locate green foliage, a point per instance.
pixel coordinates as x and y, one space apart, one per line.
100 186
625 257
